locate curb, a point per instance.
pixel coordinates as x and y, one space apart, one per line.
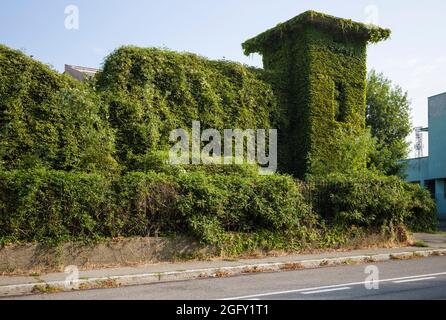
149 278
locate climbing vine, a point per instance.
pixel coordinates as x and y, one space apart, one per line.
316 64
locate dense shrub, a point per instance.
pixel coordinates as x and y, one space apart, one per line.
150 92
158 161
373 201
423 209
233 212
146 204
49 120
53 206
246 204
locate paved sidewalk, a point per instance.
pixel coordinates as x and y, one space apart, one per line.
433 240
102 278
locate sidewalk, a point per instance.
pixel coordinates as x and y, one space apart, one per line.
106 278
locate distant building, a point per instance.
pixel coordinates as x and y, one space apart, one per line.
80 73
431 171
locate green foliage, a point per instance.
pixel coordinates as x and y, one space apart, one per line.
158 161
336 100
151 92
349 154
424 216
388 115
58 137
317 66
146 205
230 211
373 201
48 120
338 26
54 206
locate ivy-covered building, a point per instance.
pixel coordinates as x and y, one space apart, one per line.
431 171
317 66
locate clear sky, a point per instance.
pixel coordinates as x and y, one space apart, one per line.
414 58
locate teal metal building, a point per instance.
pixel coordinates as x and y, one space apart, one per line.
431 171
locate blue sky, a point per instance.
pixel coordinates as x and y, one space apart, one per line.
415 56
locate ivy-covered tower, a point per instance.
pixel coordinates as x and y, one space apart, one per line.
317 66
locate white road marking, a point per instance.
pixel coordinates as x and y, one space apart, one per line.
413 280
329 287
326 290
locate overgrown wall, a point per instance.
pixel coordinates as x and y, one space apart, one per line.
85 162
317 66
150 92
50 120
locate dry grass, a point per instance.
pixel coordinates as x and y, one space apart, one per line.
249 270
45 289
291 266
221 274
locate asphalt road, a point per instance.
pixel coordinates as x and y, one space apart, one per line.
417 279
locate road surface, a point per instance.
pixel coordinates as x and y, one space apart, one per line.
409 279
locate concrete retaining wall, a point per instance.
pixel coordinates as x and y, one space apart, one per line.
114 252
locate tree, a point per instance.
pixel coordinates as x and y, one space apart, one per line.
388 116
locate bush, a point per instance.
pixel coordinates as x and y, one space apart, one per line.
227 210
54 206
147 204
372 201
49 120
242 214
424 217
150 92
279 204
